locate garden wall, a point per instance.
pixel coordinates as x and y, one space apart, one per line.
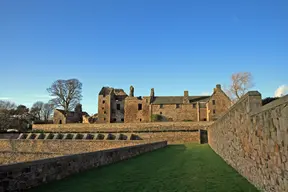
21 176
122 127
254 140
8 157
63 146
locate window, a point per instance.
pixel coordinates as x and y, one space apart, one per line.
140 119
103 101
118 106
213 102
160 113
194 105
104 119
139 106
104 112
161 105
214 111
114 119
102 108
177 105
122 120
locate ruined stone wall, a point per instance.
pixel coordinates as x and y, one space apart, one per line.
254 140
22 176
122 127
63 146
133 114
171 113
58 117
8 157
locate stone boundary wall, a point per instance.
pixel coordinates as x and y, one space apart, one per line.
8 157
122 127
63 146
254 140
22 176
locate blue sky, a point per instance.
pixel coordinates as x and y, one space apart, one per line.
171 46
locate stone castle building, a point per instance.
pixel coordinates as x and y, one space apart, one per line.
114 105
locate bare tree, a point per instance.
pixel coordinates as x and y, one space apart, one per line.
67 93
7 109
47 111
36 109
240 84
7 105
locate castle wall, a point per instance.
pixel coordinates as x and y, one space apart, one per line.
171 113
34 173
104 106
117 114
254 140
132 112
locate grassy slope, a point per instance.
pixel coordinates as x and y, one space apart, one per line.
191 167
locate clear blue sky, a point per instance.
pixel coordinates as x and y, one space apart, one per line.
169 45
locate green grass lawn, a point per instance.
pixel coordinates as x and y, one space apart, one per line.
191 167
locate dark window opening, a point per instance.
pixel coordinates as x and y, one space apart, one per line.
213 102
205 119
60 122
214 111
194 105
103 101
160 113
139 106
140 119
177 105
118 106
104 112
114 119
104 119
122 120
161 105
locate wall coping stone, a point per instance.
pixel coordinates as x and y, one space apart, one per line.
248 94
273 104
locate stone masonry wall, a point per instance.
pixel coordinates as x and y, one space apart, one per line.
22 176
63 146
122 127
254 140
8 157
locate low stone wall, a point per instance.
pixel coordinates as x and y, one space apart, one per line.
8 157
254 140
21 176
122 127
172 137
63 146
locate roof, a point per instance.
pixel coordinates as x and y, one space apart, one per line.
179 99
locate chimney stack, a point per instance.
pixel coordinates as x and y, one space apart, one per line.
185 98
218 86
